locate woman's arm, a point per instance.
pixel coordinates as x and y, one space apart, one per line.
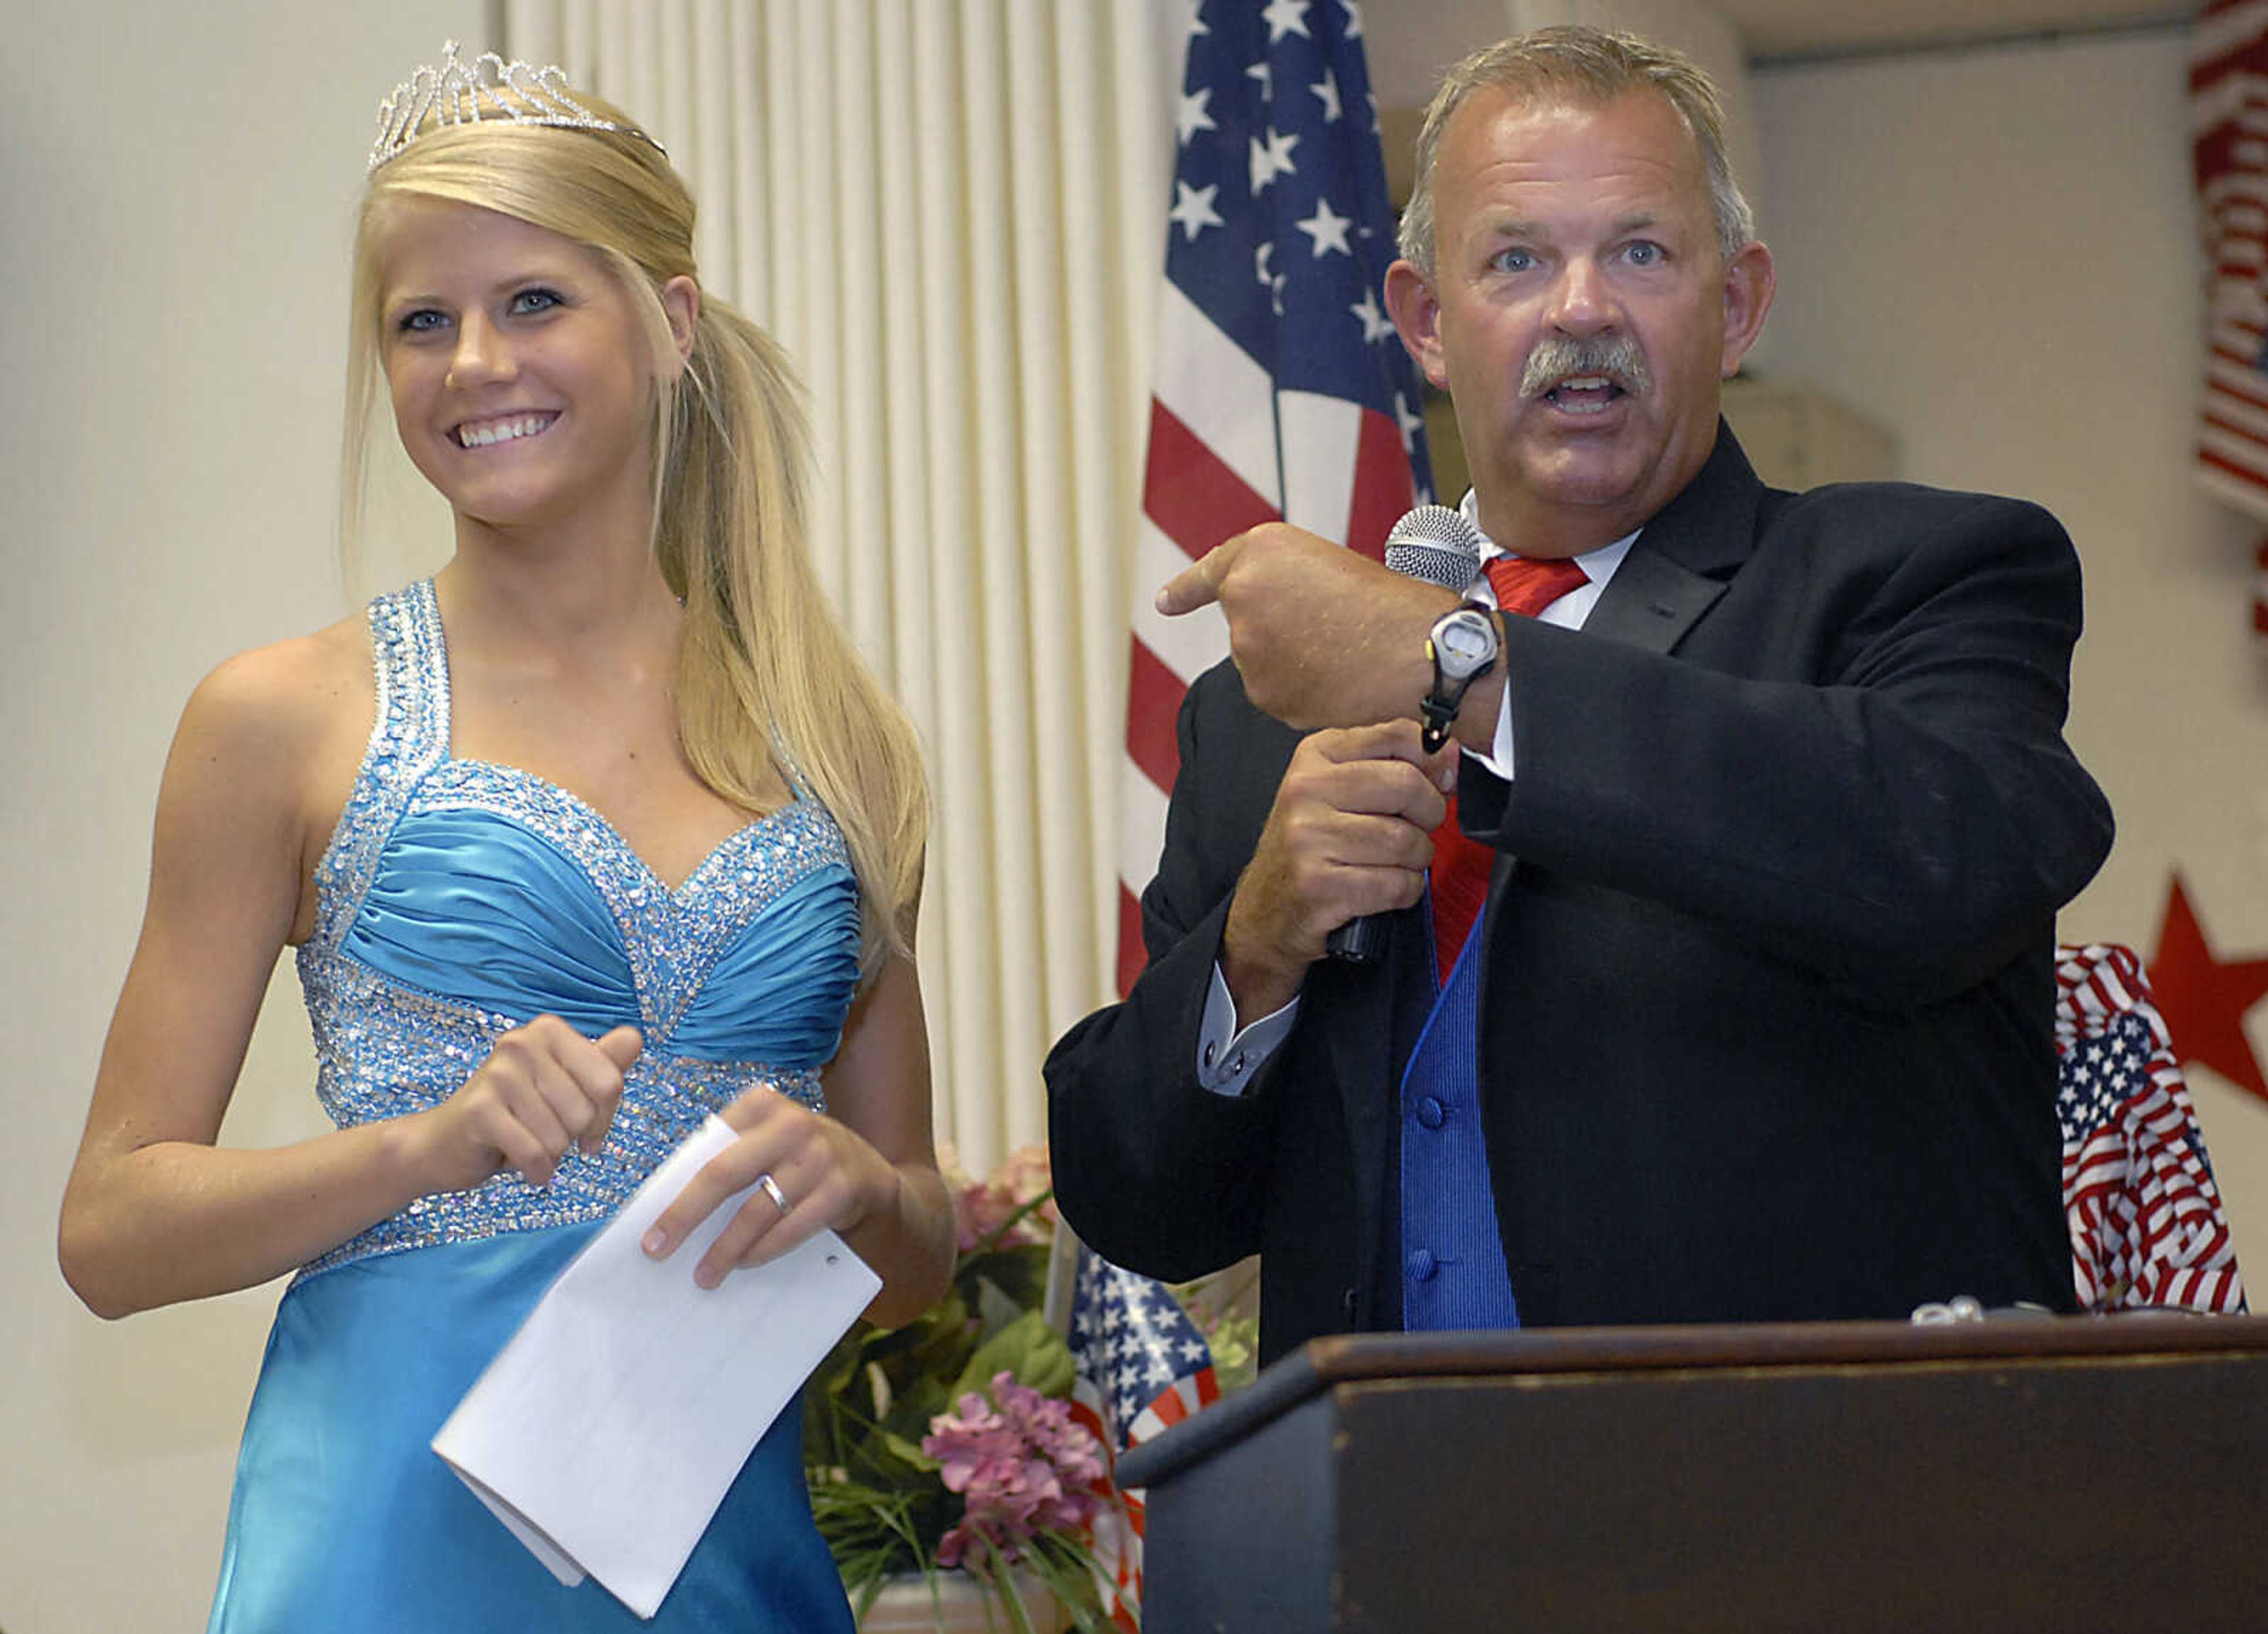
868 1169
155 1212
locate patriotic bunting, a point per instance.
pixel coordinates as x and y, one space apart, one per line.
1142 1368
2228 99
2147 1223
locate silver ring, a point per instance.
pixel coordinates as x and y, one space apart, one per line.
771 1189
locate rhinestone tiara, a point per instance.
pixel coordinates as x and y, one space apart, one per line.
487 89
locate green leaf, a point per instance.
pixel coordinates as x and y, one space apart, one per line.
1027 1348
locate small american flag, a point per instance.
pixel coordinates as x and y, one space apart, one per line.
2229 97
2147 1223
1280 389
1142 1368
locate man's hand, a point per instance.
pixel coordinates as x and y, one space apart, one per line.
1322 635
1350 833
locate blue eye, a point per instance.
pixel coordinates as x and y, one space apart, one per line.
535 300
1514 260
422 321
1644 252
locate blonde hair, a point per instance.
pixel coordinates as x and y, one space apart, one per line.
1597 65
766 677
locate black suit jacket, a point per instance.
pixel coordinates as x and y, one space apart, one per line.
1768 990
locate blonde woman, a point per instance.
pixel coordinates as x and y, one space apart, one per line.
602 828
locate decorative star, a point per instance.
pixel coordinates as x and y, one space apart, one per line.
1260 259
1375 327
1326 91
1266 76
2204 999
1287 16
1328 229
1191 116
1410 424
1196 21
1353 18
1273 159
1193 208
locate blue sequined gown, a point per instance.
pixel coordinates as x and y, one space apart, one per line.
459 899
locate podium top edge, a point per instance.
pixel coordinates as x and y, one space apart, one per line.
1321 1365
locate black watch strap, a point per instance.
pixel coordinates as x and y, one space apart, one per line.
1438 707
1440 710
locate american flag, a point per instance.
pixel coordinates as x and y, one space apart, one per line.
2147 1223
1142 1368
1280 389
2228 98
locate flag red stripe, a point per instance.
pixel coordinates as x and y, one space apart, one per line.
2226 388
1132 956
1153 703
2257 476
1190 493
2223 423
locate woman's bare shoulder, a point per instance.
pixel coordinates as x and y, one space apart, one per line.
288 694
273 726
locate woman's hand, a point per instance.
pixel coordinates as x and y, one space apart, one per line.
868 1170
544 1087
826 1177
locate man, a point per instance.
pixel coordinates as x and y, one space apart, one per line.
1777 799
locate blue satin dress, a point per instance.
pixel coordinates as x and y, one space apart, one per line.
457 900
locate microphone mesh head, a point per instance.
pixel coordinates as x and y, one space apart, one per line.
1437 544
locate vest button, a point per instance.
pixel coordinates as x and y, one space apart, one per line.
1421 1265
1430 1112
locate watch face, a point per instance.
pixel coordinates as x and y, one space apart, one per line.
1464 641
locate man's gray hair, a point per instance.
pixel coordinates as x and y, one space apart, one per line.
1587 64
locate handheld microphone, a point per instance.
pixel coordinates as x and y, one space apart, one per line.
1441 546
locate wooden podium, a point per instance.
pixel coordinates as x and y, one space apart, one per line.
2082 1475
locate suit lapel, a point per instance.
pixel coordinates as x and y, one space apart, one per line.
1650 601
1684 556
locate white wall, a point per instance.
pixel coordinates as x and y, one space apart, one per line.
175 190
1994 253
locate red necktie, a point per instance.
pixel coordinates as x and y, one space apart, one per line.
1461 865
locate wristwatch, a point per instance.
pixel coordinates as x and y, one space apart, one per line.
1462 646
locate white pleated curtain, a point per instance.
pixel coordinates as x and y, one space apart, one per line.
951 212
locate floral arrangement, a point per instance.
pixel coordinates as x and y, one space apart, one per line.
948 1444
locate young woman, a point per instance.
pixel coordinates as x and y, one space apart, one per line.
601 829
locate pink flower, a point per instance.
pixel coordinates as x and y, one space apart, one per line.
1022 1468
982 1207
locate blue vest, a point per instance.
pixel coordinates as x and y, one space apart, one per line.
1453 1269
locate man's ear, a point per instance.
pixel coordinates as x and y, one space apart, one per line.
1749 286
680 304
1416 316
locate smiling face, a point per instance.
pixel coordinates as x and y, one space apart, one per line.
1580 313
521 382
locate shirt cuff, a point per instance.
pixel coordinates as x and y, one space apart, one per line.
1226 1058
1498 759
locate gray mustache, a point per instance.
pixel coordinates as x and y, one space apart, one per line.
1556 356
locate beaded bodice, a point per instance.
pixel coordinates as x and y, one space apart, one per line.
459 899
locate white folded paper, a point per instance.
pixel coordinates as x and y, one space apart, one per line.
606 1433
